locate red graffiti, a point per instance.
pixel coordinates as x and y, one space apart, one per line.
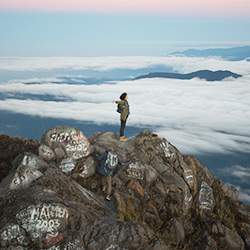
138 187
52 240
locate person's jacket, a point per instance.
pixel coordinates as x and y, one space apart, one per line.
102 169
125 109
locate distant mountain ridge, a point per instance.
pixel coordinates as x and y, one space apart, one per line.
231 54
202 74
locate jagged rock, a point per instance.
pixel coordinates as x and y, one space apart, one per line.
53 210
227 239
207 242
87 167
10 148
25 170
177 231
127 235
231 191
160 198
244 233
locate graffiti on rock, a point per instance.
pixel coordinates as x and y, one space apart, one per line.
24 176
30 161
166 149
77 150
52 240
43 220
85 171
47 151
137 187
112 247
76 142
13 232
136 170
188 175
67 165
74 245
205 196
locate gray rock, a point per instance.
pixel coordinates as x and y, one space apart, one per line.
231 191
159 199
46 153
67 141
177 231
88 167
227 238
127 235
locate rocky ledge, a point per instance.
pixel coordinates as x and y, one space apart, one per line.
51 198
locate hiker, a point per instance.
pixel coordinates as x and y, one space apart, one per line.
123 108
109 162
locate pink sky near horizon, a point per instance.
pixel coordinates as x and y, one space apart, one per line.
185 7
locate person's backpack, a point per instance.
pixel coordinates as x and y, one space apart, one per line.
119 108
111 160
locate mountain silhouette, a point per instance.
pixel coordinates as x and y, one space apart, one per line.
202 74
231 54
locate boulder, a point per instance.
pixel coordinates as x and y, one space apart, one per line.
65 142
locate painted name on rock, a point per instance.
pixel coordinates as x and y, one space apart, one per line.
67 165
136 170
24 176
166 149
43 220
137 187
46 152
74 245
30 161
205 194
11 233
76 143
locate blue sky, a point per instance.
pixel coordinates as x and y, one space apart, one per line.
105 34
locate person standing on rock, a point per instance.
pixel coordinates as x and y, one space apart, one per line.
124 110
109 163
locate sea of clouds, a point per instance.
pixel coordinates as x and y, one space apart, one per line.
197 116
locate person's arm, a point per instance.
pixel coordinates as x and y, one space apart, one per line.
102 156
118 102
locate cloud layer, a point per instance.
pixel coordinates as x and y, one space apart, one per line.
179 64
195 115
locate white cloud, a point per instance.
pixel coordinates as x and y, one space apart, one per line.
195 115
240 172
244 195
179 64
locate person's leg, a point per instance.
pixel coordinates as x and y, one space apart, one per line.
103 183
122 127
109 185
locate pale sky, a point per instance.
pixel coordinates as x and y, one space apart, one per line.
119 27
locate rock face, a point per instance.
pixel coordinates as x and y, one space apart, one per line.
52 198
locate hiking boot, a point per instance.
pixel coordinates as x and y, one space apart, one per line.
103 188
122 138
108 198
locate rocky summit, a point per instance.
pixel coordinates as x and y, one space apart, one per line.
51 196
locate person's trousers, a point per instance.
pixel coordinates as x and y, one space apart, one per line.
108 184
122 127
